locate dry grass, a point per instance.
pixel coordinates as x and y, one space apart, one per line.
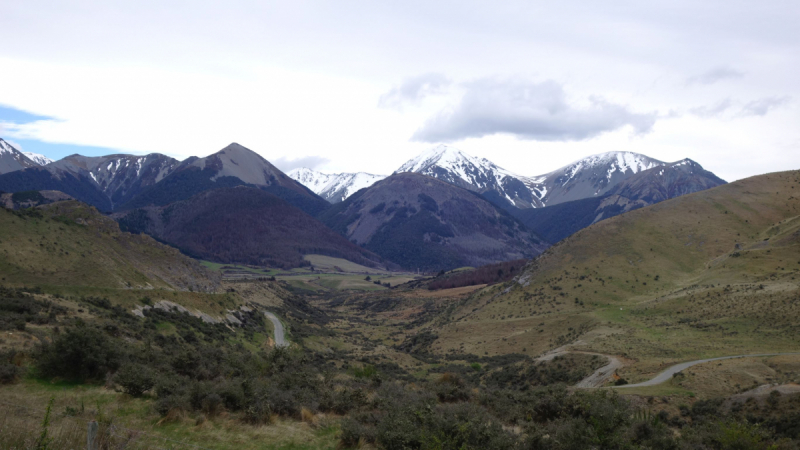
133 424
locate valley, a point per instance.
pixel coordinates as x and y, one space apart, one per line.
249 313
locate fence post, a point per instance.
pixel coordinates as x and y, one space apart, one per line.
91 436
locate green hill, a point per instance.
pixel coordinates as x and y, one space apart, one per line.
70 244
708 274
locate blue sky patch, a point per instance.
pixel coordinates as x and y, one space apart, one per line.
9 114
58 151
51 150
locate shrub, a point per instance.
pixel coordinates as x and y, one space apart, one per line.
451 388
134 379
80 354
8 373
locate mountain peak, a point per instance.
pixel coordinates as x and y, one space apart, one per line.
5 147
476 174
12 159
38 158
236 148
443 156
333 187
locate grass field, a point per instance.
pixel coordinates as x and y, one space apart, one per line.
71 244
137 426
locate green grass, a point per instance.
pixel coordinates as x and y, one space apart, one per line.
62 253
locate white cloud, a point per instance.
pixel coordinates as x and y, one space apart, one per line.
530 111
413 90
763 106
310 162
715 75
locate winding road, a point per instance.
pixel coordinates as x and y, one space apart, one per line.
667 374
280 334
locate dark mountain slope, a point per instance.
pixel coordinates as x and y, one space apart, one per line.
232 166
420 222
76 185
556 222
103 181
243 225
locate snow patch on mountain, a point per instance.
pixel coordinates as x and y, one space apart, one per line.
334 187
38 158
5 147
476 174
459 163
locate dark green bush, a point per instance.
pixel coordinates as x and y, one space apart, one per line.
134 379
80 354
8 373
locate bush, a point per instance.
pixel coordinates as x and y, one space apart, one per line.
80 354
8 373
451 388
134 379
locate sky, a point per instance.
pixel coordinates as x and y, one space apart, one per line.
352 86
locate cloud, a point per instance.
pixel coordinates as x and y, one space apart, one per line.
713 111
759 107
309 162
714 75
762 106
528 110
413 90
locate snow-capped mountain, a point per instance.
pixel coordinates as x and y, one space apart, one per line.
12 159
590 177
593 176
476 174
119 177
37 158
334 187
646 187
234 165
121 181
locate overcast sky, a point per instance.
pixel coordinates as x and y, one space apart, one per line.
364 86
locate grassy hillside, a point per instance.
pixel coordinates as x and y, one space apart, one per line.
71 244
708 274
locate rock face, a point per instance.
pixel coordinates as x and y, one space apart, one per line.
243 225
423 223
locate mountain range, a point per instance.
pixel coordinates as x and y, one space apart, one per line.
644 188
120 182
591 177
554 205
475 212
420 222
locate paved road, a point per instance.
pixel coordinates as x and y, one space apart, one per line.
601 375
667 374
280 335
